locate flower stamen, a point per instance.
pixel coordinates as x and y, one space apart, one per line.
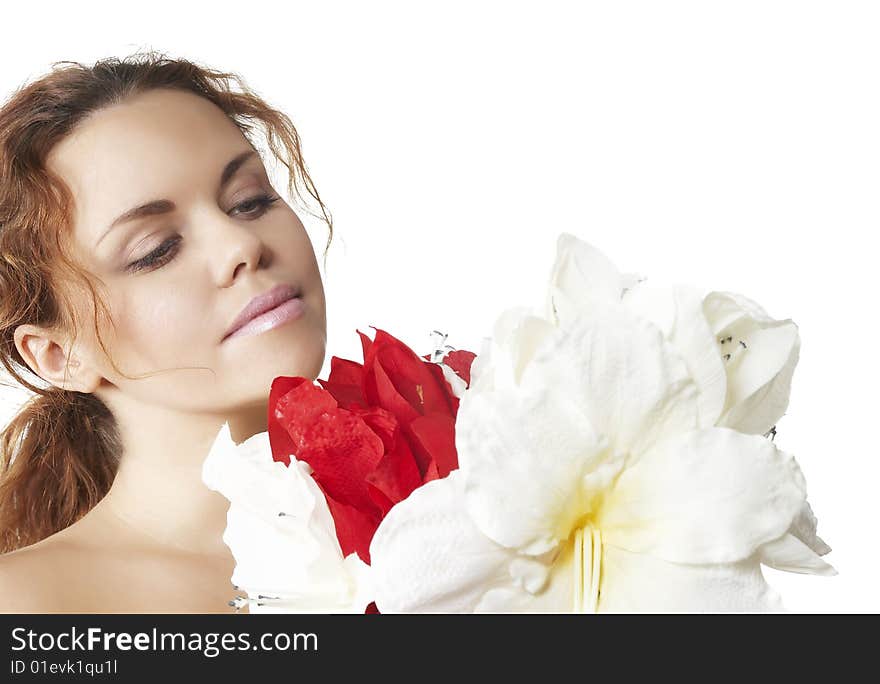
731 352
240 601
587 568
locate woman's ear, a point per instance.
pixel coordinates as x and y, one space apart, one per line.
44 352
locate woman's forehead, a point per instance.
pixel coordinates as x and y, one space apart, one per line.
152 145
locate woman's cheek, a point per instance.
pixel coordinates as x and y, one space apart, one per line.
169 322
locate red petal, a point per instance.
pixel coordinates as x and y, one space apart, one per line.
347 396
281 444
354 528
397 475
412 376
380 391
460 362
413 379
434 435
372 433
366 344
449 405
345 372
431 473
383 503
380 421
346 382
341 449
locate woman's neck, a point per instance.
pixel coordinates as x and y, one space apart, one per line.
158 491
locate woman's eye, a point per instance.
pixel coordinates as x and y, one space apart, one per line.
157 256
259 203
254 207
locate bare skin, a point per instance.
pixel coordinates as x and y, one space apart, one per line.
99 565
154 543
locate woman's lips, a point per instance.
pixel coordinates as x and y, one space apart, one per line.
287 311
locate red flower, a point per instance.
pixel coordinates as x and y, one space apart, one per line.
371 433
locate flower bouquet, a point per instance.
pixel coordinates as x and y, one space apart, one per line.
612 452
308 494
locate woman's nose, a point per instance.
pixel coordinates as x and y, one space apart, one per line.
236 246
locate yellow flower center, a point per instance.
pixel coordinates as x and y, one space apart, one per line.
587 568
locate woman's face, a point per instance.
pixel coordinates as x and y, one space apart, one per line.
177 276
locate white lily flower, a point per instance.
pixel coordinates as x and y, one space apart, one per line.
741 359
596 469
587 484
281 533
759 383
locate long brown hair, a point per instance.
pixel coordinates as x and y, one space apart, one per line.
59 454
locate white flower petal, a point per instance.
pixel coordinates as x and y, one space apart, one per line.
247 475
582 277
428 556
633 582
654 303
630 280
790 554
801 549
524 457
712 495
760 374
517 334
294 557
757 399
678 312
725 309
804 528
456 383
481 367
554 596
270 567
621 373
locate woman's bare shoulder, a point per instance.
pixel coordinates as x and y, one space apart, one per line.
59 573
32 579
87 568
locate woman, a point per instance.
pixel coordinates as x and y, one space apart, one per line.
138 227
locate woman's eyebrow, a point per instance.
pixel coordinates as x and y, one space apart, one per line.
163 206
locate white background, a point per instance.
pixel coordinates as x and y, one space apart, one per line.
733 146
